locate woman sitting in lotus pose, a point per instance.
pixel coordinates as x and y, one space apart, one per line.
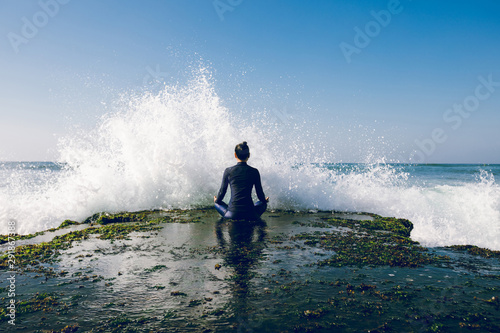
242 178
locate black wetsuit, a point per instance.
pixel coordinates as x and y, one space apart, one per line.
242 178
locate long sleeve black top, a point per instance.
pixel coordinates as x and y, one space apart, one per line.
241 177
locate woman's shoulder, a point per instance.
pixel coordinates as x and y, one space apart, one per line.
255 170
230 168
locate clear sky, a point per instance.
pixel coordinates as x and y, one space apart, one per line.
408 79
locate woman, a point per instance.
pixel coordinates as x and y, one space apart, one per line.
242 178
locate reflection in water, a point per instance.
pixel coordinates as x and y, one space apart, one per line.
242 253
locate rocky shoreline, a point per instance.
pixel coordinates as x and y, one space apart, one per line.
186 271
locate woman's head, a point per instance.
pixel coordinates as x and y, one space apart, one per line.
242 151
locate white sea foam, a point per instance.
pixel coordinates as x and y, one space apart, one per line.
458 214
169 150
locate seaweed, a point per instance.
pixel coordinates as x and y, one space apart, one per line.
383 241
30 255
477 251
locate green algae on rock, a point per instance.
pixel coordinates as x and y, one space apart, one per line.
5 238
472 249
383 241
30 255
112 227
107 218
401 227
156 216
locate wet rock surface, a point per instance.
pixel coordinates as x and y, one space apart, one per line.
182 271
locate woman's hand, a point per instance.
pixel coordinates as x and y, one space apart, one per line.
215 198
267 199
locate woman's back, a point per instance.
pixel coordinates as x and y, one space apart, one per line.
242 178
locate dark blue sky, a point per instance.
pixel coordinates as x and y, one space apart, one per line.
411 66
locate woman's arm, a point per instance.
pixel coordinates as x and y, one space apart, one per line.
223 187
258 188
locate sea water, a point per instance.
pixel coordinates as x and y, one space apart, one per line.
169 149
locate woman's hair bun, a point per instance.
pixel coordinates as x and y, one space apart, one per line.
242 151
